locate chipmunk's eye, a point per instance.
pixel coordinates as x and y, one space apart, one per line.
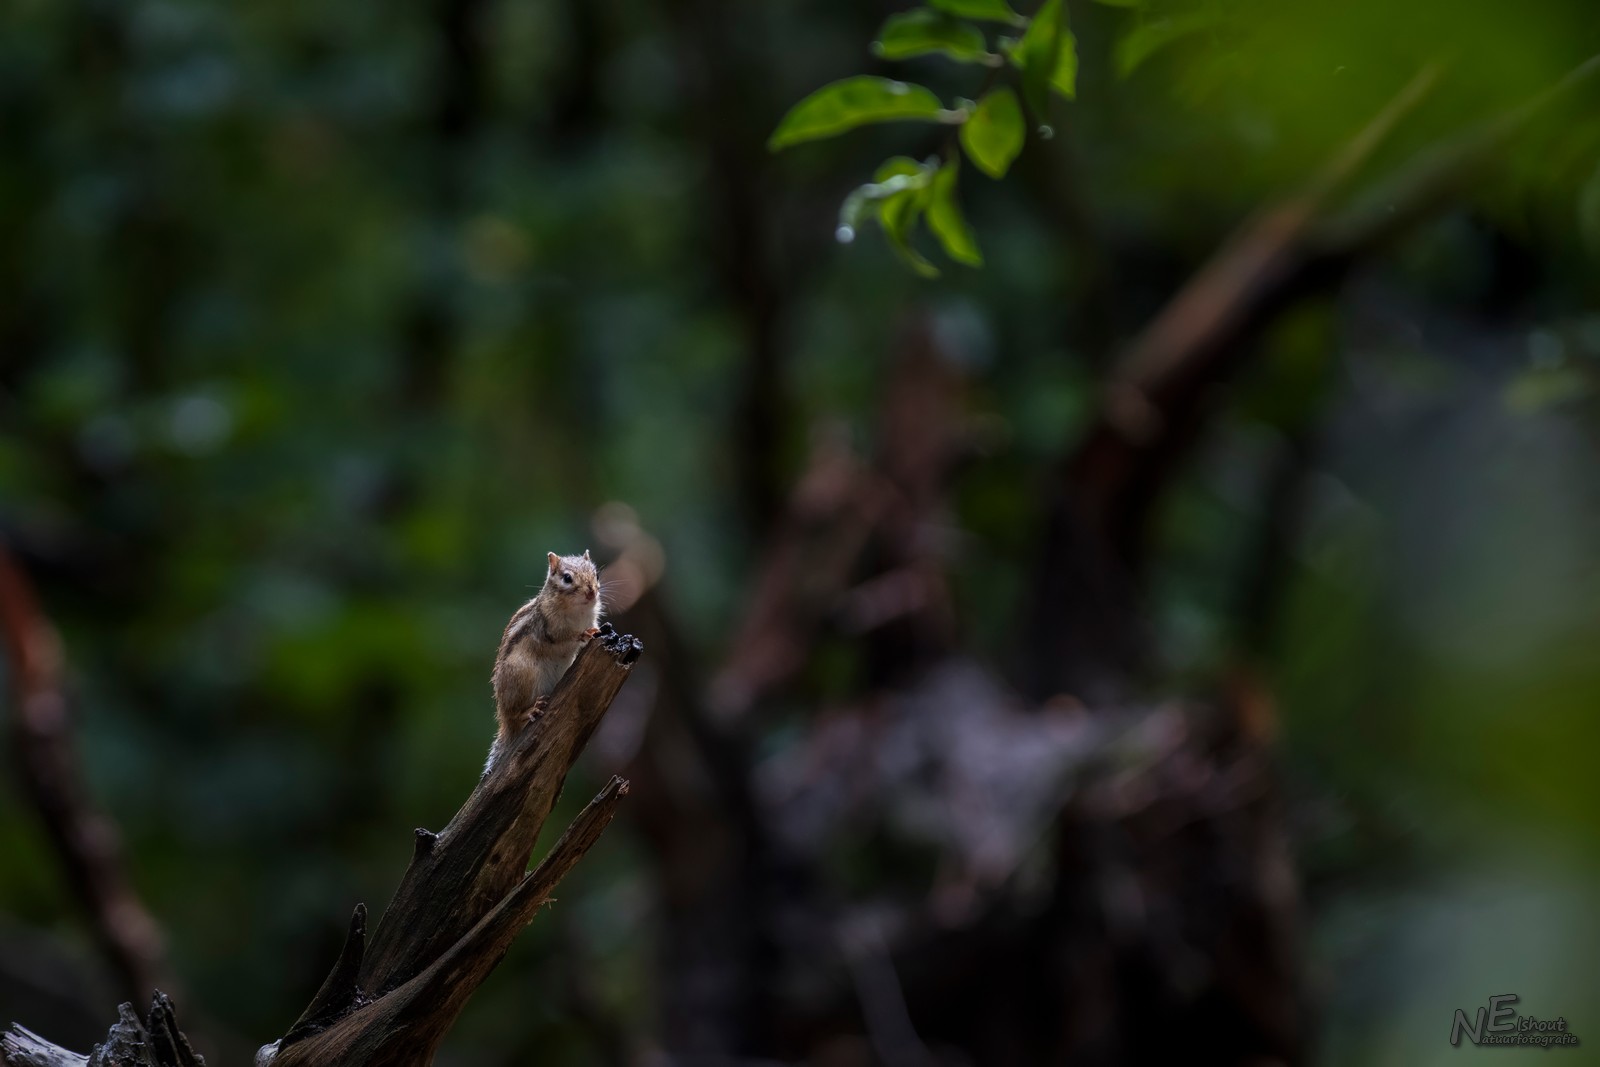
566 579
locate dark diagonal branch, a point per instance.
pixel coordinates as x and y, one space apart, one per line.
466 893
48 769
464 898
458 875
404 1026
1083 630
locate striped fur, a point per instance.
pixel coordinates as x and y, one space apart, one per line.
542 639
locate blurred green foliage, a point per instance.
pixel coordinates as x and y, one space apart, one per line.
322 323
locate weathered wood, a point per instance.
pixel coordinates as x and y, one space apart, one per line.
463 899
154 1041
404 1027
340 993
167 1043
474 861
21 1047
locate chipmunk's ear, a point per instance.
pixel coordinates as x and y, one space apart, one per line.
555 561
586 555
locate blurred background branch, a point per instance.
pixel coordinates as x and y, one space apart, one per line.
50 774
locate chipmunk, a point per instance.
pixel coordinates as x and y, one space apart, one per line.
541 641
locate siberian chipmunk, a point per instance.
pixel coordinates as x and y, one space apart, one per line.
541 641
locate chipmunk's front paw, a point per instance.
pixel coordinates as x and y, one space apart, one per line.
590 632
538 708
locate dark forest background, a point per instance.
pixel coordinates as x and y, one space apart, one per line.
321 323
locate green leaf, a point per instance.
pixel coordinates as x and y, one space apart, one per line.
898 217
993 133
947 222
1048 57
898 175
983 10
1145 39
897 198
919 32
853 102
895 166
903 193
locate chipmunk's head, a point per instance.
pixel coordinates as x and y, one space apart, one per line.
574 580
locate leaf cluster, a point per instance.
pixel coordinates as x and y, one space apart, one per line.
1025 60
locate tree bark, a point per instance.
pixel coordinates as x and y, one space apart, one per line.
464 898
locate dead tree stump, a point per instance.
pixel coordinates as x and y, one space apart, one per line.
465 896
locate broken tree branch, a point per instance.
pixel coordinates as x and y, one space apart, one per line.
405 1026
465 896
458 875
151 1041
